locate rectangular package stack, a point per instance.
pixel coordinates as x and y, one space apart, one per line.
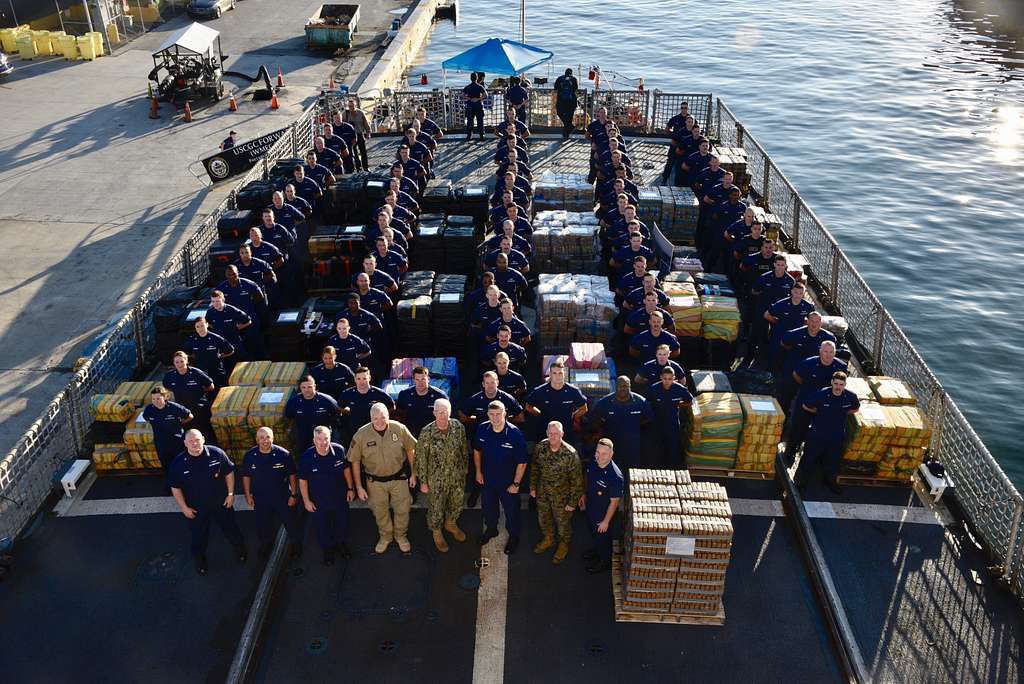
459 249
867 433
734 159
584 355
284 373
137 392
449 315
110 412
267 410
720 318
249 373
685 307
890 391
762 431
427 253
861 388
553 190
677 546
547 360
229 417
594 383
710 381
772 223
417 284
394 386
401 369
648 207
573 307
138 438
679 209
715 431
437 195
566 242
414 324
110 457
910 440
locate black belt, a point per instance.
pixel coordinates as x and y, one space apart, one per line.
402 474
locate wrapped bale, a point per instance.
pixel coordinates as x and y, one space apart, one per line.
249 373
763 420
395 386
548 359
899 463
715 430
417 284
459 249
112 408
414 323
720 318
267 410
566 242
891 391
137 392
449 323
284 373
587 355
229 417
868 432
138 434
710 381
442 367
428 251
861 388
111 456
686 310
910 427
836 325
594 383
401 369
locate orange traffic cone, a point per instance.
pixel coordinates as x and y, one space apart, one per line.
232 105
187 118
273 102
331 84
280 78
154 108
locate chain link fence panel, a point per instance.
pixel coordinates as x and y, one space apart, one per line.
666 105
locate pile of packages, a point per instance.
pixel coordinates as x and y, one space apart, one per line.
710 381
586 355
574 307
676 546
123 440
593 382
673 210
138 438
734 159
428 252
566 242
414 315
444 371
553 190
763 420
890 391
772 224
685 307
885 440
265 373
449 314
229 416
267 410
720 317
459 248
715 431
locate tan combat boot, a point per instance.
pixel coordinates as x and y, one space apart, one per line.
452 528
546 543
560 553
439 541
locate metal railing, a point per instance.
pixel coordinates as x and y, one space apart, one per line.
991 503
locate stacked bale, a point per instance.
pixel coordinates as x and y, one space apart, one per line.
566 242
906 449
414 323
266 409
868 432
685 307
574 307
720 318
710 381
138 438
249 373
111 457
763 420
593 382
553 190
449 314
677 546
284 373
428 251
459 249
714 436
229 418
891 391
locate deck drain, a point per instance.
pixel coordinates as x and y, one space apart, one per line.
316 645
595 648
470 581
387 646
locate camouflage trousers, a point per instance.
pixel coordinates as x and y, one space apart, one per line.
551 513
445 503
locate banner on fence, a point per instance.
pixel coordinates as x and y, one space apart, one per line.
241 157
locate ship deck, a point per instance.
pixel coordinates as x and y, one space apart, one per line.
104 588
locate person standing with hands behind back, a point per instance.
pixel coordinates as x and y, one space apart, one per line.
475 94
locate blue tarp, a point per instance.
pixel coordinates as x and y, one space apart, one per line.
498 56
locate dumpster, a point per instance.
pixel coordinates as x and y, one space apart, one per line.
26 46
331 27
86 47
44 47
69 47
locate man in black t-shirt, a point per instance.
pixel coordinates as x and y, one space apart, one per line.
566 89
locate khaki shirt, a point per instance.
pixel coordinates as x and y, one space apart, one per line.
381 455
357 119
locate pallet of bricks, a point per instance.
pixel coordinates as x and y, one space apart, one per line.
123 441
573 308
566 242
672 210
734 160
553 190
888 438
676 550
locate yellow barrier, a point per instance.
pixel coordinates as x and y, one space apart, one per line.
87 47
26 46
44 48
69 47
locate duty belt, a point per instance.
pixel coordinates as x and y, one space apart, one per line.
402 474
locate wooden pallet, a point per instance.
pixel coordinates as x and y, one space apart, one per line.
626 615
707 471
873 481
127 471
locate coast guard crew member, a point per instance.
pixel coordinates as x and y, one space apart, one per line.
191 388
207 350
229 141
325 482
825 439
601 500
202 480
557 400
509 380
798 344
499 459
351 349
474 94
357 401
566 90
669 399
228 322
167 419
767 289
811 374
307 409
622 415
644 345
415 405
650 372
272 490
332 377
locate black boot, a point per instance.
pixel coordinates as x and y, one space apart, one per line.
202 567
489 534
512 544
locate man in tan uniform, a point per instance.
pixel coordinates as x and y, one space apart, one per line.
385 451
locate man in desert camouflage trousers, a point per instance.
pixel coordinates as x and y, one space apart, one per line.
556 481
441 464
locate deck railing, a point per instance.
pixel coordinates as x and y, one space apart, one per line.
991 503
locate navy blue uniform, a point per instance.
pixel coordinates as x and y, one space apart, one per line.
374 300
640 321
517 96
362 323
333 381
204 353
201 481
259 272
418 410
483 316
300 205
623 423
378 279
557 405
511 282
666 404
635 297
624 258
766 290
359 405
647 344
651 372
828 432
391 263
247 296
814 378
799 345
189 389
519 330
516 355
501 453
308 190
791 316
518 243
325 483
168 432
307 414
349 348
474 110
511 382
603 485
270 489
267 251
516 258
476 405
319 172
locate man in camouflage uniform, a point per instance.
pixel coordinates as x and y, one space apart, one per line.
441 465
556 481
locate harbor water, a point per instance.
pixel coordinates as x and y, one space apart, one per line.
902 125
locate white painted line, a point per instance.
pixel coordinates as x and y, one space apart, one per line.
761 508
491 611
819 509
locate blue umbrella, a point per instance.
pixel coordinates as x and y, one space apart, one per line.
498 56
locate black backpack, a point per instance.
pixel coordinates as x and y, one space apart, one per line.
566 89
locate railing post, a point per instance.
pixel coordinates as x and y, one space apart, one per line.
718 118
1011 567
186 258
71 397
767 177
137 331
796 221
878 346
833 281
295 142
739 134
